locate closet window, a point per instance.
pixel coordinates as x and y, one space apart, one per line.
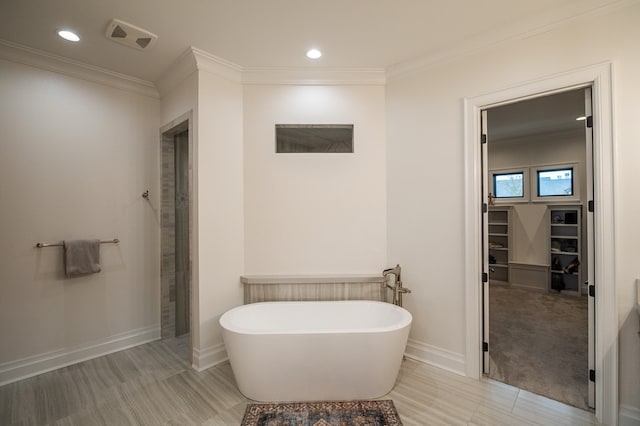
555 183
508 185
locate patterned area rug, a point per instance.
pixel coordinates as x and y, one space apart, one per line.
340 413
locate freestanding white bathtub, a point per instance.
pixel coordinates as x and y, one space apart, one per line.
312 351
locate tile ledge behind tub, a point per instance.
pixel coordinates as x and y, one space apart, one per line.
270 288
311 279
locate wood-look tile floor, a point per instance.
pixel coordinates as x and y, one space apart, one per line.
153 384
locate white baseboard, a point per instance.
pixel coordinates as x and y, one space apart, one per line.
629 416
438 357
32 366
208 357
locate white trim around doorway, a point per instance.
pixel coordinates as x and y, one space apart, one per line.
599 77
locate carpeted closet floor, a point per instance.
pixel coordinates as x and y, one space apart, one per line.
538 342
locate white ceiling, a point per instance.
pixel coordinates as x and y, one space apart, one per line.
276 33
548 114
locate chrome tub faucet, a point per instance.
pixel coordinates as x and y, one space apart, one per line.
397 288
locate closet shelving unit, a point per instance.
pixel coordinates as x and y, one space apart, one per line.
499 242
565 237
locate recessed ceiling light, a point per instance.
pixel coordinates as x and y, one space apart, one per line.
68 35
581 118
314 54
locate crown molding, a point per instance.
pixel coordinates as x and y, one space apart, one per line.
213 64
314 76
514 31
37 58
192 60
210 63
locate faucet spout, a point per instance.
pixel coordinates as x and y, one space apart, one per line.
395 271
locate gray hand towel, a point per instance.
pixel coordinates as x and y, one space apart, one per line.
81 257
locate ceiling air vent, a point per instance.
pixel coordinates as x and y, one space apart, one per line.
130 35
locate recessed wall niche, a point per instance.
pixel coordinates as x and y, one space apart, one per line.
314 138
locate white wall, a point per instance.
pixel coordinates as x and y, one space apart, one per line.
220 206
75 157
425 169
215 101
179 100
314 213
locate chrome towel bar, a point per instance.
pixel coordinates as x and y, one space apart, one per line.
41 245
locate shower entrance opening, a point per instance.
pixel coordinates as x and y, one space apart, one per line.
176 232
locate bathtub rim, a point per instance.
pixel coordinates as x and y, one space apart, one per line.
406 319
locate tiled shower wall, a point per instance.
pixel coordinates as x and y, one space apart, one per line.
170 275
182 258
168 288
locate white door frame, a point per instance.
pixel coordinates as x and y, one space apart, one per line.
600 78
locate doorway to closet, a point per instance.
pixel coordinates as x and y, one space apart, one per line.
537 245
